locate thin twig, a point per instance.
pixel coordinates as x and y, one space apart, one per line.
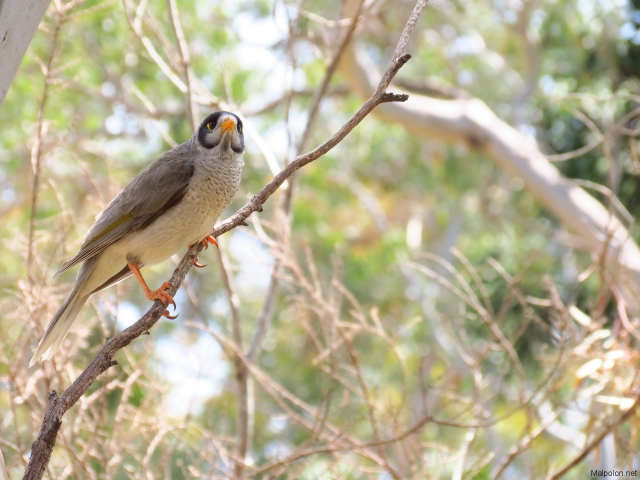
185 60
331 68
406 34
59 405
268 308
242 415
36 150
379 97
597 440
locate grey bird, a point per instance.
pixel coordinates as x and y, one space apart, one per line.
175 202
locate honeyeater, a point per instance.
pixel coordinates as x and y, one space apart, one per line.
173 203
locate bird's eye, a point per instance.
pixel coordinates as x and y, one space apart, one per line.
239 128
209 126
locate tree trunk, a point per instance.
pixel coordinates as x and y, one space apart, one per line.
19 20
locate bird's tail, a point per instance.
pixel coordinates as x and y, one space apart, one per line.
59 326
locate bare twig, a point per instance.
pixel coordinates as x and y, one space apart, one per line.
331 68
241 371
36 150
379 97
185 60
411 24
265 315
3 469
59 405
623 417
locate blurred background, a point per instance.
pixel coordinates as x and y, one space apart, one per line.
410 305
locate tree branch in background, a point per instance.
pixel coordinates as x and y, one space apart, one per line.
59 405
41 127
373 346
593 444
242 415
285 215
471 121
3 469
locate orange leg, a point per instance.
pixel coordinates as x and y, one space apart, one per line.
153 295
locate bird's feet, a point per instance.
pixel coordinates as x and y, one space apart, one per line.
208 240
205 243
161 295
169 316
197 264
154 295
164 297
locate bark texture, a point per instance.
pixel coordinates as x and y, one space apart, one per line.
19 20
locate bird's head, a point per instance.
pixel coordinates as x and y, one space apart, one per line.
221 131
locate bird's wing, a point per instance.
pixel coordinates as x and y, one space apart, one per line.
161 186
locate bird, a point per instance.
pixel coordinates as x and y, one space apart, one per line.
173 203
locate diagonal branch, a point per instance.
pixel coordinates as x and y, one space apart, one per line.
593 444
59 405
258 200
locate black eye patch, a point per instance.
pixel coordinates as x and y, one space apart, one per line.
210 123
207 125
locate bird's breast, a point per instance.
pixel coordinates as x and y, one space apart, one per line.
213 187
210 191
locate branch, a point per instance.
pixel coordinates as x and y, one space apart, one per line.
3 469
59 405
244 425
242 414
36 149
623 417
471 121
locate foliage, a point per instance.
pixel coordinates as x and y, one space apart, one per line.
429 321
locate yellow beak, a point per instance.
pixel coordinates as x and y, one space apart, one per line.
228 124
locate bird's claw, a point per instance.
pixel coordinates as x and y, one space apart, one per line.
163 296
207 240
169 300
197 264
169 316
